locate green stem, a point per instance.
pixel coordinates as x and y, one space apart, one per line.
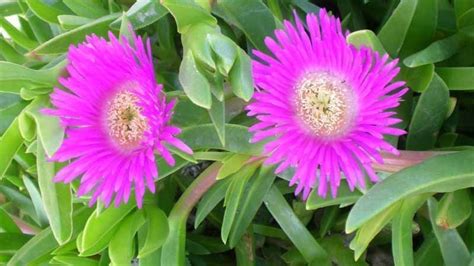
173 251
194 192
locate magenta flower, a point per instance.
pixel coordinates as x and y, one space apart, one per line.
116 118
324 104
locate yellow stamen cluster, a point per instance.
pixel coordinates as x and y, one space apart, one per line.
125 123
324 103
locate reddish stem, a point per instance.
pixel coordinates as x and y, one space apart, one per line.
24 227
196 190
393 163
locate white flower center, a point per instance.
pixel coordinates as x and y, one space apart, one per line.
125 123
325 104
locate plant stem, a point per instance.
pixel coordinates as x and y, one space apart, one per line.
393 163
173 251
194 192
25 227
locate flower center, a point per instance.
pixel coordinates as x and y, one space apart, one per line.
325 103
125 123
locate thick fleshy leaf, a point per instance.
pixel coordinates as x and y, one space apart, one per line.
7 224
371 228
8 52
36 199
157 230
443 173
126 29
225 50
21 201
294 229
428 117
233 197
240 77
418 78
13 77
232 164
99 229
452 247
410 27
210 200
86 8
17 36
41 30
328 219
435 52
194 83
245 15
10 142
366 38
338 251
50 132
453 209
121 247
306 6
187 114
10 106
57 198
143 13
257 187
74 260
70 22
188 13
429 254
402 243
457 78
60 43
461 7
217 114
44 242
205 137
344 197
11 242
9 7
48 10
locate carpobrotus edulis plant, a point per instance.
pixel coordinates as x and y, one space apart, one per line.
116 119
326 104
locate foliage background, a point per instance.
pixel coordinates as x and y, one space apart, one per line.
420 215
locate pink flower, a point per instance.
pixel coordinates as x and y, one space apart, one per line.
116 119
324 104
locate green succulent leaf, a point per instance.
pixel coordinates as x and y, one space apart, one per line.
142 14
194 83
245 15
60 43
444 173
429 115
452 247
157 230
121 247
457 78
57 198
100 228
453 209
292 226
